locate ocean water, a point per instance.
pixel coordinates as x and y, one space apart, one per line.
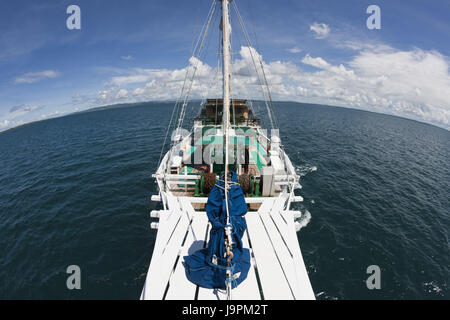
76 191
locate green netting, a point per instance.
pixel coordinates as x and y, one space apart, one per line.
189 170
257 160
205 140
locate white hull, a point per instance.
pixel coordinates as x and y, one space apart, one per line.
277 268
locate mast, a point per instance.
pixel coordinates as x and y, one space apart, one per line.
226 31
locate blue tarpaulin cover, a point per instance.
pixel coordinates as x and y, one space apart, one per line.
207 267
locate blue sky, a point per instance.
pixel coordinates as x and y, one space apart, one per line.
314 51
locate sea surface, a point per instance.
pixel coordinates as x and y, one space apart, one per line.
76 191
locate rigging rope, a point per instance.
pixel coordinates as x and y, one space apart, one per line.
270 109
177 102
252 21
183 109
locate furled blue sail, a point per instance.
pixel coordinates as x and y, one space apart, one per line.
207 267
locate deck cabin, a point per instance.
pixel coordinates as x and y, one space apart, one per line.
241 113
254 156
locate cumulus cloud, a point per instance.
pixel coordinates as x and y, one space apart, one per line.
32 77
315 62
140 75
413 84
4 124
321 30
157 84
123 93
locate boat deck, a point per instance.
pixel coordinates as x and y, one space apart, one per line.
277 269
257 159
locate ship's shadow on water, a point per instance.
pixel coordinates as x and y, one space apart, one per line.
76 191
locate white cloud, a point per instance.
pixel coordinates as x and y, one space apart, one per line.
322 64
321 30
7 124
124 80
32 77
294 50
52 114
140 75
123 93
413 84
127 57
315 62
4 124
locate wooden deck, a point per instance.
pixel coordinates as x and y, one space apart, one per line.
277 268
